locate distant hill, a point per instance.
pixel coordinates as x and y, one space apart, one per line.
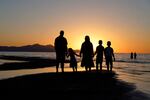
29 48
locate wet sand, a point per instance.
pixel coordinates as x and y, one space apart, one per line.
28 63
78 85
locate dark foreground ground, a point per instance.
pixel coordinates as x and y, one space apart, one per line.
69 85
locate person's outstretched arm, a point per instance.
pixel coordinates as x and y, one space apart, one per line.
81 51
80 54
92 51
77 55
96 51
113 54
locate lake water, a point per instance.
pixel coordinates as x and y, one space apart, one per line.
132 71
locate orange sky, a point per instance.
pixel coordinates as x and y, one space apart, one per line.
125 23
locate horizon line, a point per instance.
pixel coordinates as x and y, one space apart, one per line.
53 46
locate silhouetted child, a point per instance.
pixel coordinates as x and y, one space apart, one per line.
109 54
99 57
73 61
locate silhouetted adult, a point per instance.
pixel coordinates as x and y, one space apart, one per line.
61 50
109 53
131 55
87 54
99 58
135 55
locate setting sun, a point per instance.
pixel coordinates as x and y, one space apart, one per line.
125 24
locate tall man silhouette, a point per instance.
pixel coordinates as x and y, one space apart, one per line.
61 50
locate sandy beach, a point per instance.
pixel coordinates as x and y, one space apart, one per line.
68 85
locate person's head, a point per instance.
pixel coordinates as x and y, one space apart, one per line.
100 42
61 33
87 38
108 43
70 50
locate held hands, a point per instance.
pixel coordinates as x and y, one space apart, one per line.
66 54
80 56
114 59
93 55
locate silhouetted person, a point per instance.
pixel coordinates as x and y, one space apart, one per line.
131 55
109 55
73 61
61 50
135 55
87 54
99 57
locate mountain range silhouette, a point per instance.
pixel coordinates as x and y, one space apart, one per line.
29 48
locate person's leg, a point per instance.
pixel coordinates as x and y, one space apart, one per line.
86 68
107 64
111 65
57 66
57 62
76 68
100 66
89 69
62 66
62 62
97 66
107 67
73 69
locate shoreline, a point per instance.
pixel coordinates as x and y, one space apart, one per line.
28 63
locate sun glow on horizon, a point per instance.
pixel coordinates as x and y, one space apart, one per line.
124 22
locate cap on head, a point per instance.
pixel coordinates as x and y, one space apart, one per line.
108 43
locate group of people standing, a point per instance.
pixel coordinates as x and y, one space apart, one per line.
86 53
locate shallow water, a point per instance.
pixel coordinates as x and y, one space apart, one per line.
132 71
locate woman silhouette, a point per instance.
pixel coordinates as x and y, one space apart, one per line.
87 54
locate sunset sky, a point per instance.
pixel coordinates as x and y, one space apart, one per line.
126 23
